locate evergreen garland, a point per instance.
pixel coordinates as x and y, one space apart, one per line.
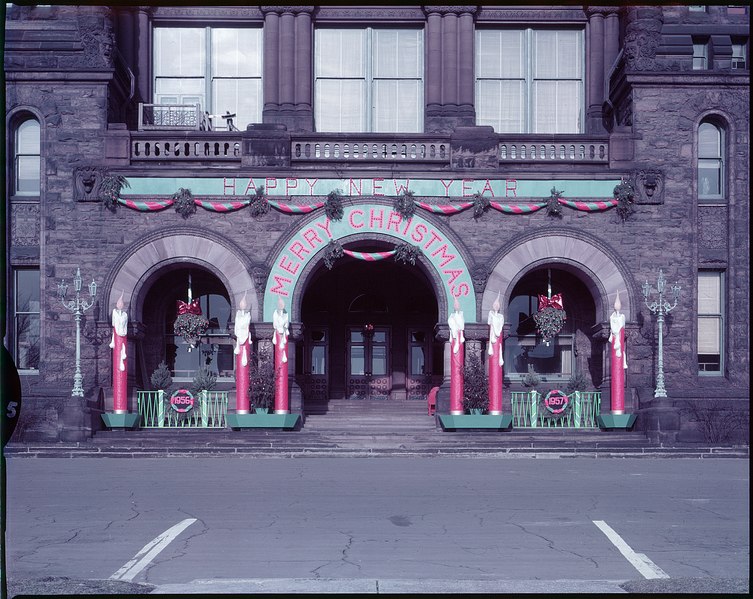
259 205
404 205
553 207
333 206
110 190
184 204
407 253
333 251
625 194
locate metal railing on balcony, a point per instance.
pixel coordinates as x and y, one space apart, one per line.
172 117
209 411
528 411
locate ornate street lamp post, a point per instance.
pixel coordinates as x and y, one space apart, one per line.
78 306
660 307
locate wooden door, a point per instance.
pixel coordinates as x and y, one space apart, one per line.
369 373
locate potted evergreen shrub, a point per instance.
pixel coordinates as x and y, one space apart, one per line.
204 381
262 384
575 386
476 386
532 380
161 381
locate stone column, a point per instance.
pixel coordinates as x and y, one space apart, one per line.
144 53
595 69
303 65
271 66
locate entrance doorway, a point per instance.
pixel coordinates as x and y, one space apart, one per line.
368 331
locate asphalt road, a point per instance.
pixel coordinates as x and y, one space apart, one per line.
368 525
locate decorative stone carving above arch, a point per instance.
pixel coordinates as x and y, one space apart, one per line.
595 267
150 255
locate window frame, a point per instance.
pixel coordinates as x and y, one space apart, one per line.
701 58
210 74
529 77
18 314
370 79
16 153
712 198
719 316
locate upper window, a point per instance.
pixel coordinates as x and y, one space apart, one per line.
700 54
26 159
697 8
710 162
26 318
739 54
710 321
218 68
369 80
530 80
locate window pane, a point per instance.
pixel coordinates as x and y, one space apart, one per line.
379 360
501 104
318 359
557 55
397 53
340 53
709 178
28 169
243 97
709 293
709 334
380 337
179 52
27 137
556 106
417 360
709 141
500 54
340 105
356 336
397 106
236 52
357 360
27 341
27 290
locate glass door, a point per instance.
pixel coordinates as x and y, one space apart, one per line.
369 375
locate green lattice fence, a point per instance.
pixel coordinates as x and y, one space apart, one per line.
529 412
209 411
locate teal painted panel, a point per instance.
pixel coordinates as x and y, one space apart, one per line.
286 421
312 238
367 187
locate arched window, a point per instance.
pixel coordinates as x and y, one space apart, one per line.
26 159
711 184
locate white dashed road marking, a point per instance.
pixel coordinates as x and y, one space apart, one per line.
639 561
150 551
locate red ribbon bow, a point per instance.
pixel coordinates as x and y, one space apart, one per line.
555 302
189 308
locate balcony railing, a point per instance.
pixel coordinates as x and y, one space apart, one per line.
204 145
376 148
172 117
542 149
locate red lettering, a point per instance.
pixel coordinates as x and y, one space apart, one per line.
420 230
288 266
445 256
461 289
373 219
311 186
225 186
297 249
446 188
407 226
391 221
250 186
290 184
467 190
511 185
377 186
352 187
352 222
401 188
310 235
325 227
434 237
487 187
454 274
279 288
270 183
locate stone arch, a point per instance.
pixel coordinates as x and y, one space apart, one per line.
443 256
599 268
157 251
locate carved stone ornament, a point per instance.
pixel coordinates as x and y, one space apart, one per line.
712 227
260 275
642 37
457 10
25 224
287 9
649 186
98 41
480 275
86 183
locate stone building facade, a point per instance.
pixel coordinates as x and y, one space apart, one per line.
514 130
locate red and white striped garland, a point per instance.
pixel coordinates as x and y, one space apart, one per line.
369 256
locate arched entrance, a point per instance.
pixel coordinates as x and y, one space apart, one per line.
368 331
214 351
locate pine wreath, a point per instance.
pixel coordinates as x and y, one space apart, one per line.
184 204
333 206
259 204
624 193
549 322
110 189
333 251
407 253
190 327
553 206
480 205
404 205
